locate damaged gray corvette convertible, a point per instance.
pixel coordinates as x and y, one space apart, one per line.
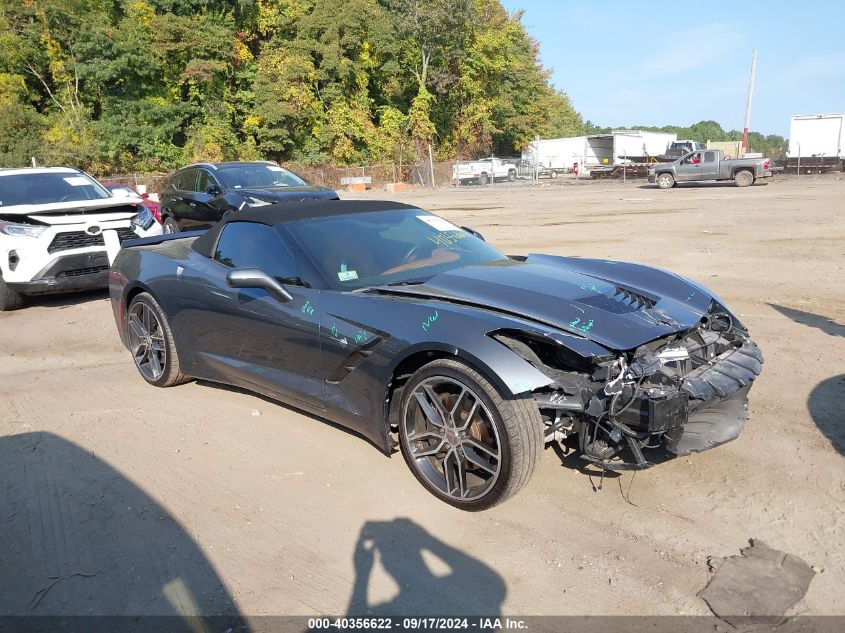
409 330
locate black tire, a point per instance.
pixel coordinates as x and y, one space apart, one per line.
169 225
9 299
170 374
744 178
665 180
553 175
512 428
483 180
511 175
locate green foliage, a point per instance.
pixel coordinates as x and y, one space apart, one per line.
118 85
113 85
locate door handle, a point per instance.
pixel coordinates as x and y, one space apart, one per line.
192 204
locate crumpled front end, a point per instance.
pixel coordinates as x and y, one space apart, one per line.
677 395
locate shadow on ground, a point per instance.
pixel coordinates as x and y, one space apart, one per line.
65 300
707 184
433 578
825 324
827 407
77 538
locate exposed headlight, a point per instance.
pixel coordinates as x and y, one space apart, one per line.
144 219
21 230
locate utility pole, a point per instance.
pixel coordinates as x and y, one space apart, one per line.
748 103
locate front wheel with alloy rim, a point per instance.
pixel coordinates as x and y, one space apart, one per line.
463 441
151 342
665 181
169 225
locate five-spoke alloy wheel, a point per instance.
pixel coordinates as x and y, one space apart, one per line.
151 342
462 440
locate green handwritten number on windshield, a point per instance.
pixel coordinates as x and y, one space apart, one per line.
307 308
361 336
429 321
448 238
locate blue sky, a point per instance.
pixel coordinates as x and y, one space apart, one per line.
633 63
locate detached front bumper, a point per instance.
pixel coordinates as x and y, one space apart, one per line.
686 396
709 408
652 177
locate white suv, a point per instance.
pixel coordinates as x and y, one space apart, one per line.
60 230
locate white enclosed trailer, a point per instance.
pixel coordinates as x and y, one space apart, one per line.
639 143
556 153
597 149
817 135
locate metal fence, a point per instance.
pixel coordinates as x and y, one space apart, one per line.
509 171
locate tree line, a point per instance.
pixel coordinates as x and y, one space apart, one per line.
148 85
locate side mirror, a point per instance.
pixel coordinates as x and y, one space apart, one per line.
257 278
474 232
213 190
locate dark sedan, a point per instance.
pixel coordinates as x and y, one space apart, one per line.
412 331
197 196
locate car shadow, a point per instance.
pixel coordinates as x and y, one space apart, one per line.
65 300
827 408
433 577
703 185
83 546
279 403
825 324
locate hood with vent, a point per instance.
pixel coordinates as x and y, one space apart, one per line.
615 304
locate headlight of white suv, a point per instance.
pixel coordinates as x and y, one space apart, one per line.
144 219
21 230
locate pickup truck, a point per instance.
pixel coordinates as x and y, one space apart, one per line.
481 171
710 165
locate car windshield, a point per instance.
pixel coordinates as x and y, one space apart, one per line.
387 247
48 187
258 176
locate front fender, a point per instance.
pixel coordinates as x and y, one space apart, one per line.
509 373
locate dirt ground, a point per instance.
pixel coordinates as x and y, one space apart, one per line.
204 498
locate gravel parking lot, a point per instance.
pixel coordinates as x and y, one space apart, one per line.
206 498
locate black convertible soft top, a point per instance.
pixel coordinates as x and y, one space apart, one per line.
290 212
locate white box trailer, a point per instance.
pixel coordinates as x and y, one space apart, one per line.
640 143
597 149
817 135
556 153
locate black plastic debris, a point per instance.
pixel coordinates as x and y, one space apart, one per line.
758 587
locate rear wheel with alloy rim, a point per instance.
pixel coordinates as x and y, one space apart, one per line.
744 178
151 342
465 443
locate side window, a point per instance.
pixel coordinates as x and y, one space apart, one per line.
250 245
205 180
709 157
187 180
